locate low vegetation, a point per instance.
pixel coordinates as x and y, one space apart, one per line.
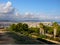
23 29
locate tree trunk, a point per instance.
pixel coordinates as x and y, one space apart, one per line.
54 33
41 31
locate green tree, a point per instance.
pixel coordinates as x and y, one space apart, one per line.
34 30
48 29
25 27
19 27
58 31
13 27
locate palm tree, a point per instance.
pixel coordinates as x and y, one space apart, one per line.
41 28
55 27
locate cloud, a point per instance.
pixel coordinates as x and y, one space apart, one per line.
8 12
6 8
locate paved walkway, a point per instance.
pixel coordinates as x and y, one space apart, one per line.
5 39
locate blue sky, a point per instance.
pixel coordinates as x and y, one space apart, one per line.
47 7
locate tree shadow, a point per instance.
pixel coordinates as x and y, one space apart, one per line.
21 39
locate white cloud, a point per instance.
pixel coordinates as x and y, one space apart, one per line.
8 12
5 8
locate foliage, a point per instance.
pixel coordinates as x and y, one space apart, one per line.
42 36
34 29
25 27
13 27
41 25
49 29
55 25
58 31
19 27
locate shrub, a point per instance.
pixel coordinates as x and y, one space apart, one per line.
42 36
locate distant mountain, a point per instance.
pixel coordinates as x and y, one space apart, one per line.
26 20
7 21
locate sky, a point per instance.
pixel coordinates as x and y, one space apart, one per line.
30 9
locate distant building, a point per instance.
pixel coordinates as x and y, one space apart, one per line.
4 24
47 23
30 24
36 24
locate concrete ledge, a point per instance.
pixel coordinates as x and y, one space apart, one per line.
52 41
47 41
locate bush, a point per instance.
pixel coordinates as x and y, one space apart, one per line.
34 30
42 36
13 27
58 32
